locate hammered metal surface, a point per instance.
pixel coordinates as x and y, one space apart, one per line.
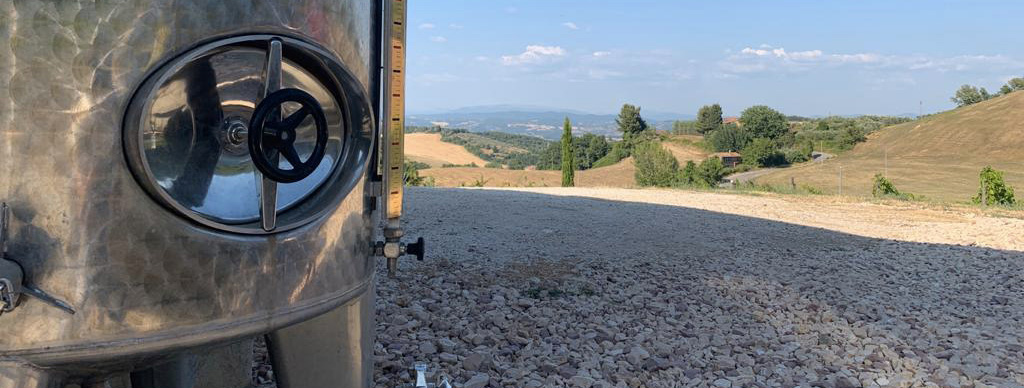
141 278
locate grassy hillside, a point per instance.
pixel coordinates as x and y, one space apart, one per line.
939 156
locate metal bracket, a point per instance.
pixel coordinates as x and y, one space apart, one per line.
12 277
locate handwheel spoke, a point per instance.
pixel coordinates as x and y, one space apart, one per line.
291 156
293 121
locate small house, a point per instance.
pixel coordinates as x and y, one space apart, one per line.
729 159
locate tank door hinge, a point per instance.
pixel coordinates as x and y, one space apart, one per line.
12 277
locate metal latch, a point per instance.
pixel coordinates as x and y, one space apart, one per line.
12 277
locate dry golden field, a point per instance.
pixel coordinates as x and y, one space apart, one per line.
428 148
939 156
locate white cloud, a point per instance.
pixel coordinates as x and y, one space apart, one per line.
438 39
534 54
856 58
571 25
777 59
455 26
781 53
602 53
481 58
427 26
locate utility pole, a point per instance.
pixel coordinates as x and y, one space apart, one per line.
920 109
840 180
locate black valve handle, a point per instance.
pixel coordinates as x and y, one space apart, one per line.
269 137
417 248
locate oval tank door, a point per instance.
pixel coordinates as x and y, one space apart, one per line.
240 134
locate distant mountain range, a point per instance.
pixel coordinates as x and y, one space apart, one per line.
541 121
538 121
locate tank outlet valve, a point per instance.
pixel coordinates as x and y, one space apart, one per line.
393 248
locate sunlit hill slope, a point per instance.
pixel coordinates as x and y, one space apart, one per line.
938 156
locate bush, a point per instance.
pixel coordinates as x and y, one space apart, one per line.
710 172
811 189
797 155
762 152
412 175
616 154
655 166
689 174
452 165
850 137
416 165
883 188
493 164
995 189
736 169
728 138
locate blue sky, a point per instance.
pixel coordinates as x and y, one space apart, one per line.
801 57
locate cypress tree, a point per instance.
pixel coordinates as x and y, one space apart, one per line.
568 161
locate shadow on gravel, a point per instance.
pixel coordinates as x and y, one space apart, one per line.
749 300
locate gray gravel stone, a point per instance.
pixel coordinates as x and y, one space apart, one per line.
477 381
627 292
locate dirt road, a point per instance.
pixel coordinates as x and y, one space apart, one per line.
660 288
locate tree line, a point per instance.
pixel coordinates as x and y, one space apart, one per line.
969 94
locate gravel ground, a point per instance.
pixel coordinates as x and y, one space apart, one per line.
648 288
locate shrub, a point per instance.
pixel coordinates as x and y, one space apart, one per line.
416 165
412 175
655 166
850 137
452 165
736 169
479 182
710 172
883 188
616 154
811 189
493 164
995 189
799 153
728 138
689 174
763 152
